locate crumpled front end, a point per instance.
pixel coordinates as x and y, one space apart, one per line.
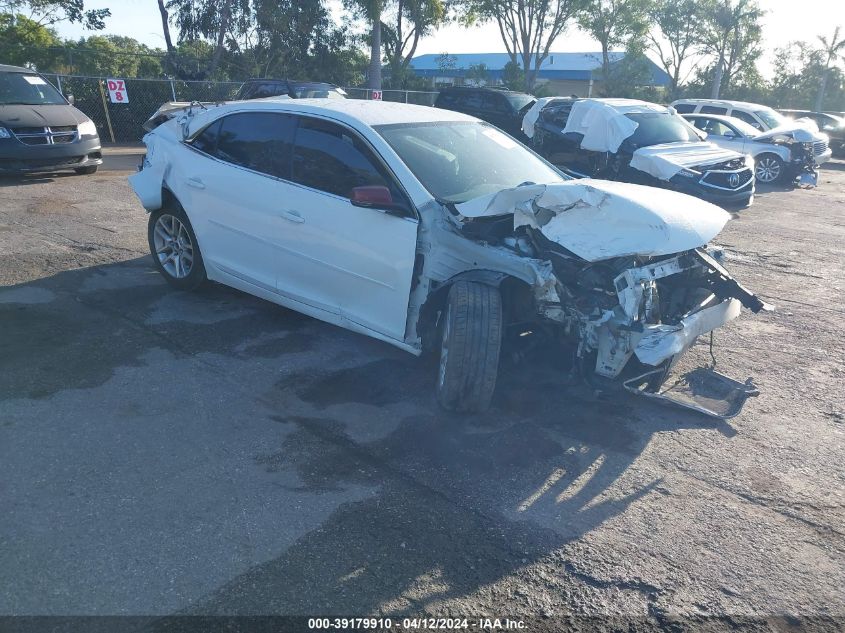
638 296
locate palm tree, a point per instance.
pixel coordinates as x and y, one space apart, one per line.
832 49
372 11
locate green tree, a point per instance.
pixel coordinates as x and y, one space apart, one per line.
113 56
832 50
24 42
410 20
513 77
732 34
477 74
614 24
675 36
528 28
372 11
49 12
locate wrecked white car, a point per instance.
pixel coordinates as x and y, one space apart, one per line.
432 230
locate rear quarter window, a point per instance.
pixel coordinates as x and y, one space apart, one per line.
684 108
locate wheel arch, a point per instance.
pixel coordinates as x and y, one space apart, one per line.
517 296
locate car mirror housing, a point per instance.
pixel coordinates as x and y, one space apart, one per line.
377 197
71 99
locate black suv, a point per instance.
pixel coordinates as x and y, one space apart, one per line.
260 88
830 124
502 108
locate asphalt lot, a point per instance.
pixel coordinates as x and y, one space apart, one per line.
211 453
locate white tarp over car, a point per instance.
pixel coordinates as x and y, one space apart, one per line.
600 219
533 114
664 161
603 122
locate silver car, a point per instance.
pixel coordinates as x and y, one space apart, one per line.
779 155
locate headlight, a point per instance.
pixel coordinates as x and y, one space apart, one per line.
4 133
87 128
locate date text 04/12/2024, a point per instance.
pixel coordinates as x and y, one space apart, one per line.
442 624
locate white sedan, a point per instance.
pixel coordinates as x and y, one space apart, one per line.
429 229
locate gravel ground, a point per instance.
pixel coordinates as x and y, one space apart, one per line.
210 453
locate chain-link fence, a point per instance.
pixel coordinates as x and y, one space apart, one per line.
122 122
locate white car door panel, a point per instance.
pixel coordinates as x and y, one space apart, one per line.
240 212
353 260
358 260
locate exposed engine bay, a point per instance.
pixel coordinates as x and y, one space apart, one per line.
630 315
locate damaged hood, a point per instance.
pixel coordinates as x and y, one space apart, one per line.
796 131
600 219
664 161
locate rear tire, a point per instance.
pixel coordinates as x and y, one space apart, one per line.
173 245
470 344
87 171
769 169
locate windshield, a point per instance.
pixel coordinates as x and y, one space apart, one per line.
314 92
519 101
459 161
654 128
771 118
27 89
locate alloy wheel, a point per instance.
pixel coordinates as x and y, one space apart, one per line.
173 246
768 169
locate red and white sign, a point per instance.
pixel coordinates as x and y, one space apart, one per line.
117 91
376 95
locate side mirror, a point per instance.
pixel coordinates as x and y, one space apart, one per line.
371 196
376 197
71 100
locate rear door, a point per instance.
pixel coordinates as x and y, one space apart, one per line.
234 194
357 262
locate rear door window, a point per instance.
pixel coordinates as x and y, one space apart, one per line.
260 141
747 117
330 158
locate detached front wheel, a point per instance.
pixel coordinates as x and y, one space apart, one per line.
469 347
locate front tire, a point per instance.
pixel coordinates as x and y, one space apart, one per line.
769 169
174 248
470 344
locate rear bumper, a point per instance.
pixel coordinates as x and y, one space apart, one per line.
19 158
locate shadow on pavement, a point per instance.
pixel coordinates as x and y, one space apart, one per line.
461 502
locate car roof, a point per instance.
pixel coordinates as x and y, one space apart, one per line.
724 102
350 111
504 91
294 82
16 69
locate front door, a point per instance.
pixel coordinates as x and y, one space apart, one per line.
353 260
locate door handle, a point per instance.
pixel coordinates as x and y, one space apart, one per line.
292 216
196 183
